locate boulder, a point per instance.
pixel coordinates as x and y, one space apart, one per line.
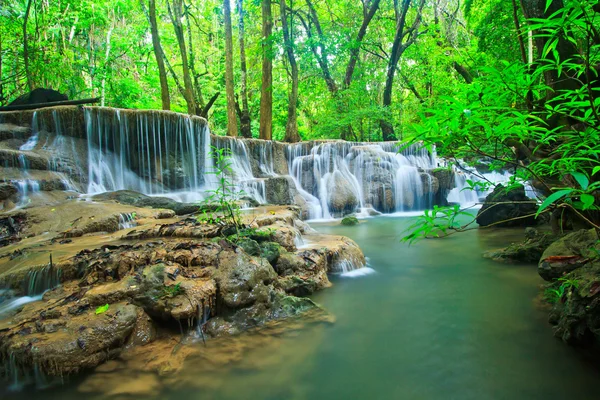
7 190
341 198
76 341
576 314
283 306
350 221
507 208
242 279
280 190
37 96
528 251
568 253
164 293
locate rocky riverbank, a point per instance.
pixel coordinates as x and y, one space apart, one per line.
110 277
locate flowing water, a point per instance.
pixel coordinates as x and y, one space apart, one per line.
434 321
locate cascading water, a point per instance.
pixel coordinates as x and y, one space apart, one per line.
168 154
333 176
127 220
153 152
464 195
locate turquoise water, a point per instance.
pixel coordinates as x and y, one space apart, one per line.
435 321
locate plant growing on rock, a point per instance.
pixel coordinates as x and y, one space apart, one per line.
555 294
221 205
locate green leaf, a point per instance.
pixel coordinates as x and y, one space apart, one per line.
595 170
583 180
587 200
553 198
102 309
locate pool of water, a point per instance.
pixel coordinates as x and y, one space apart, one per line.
435 321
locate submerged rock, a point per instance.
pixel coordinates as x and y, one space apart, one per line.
350 221
507 207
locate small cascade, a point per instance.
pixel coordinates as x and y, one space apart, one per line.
35 134
26 188
42 279
14 303
19 376
127 220
462 194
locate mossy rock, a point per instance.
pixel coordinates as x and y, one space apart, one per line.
271 251
350 221
250 246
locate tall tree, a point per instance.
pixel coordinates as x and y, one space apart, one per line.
231 118
402 40
291 128
176 14
159 55
244 111
266 91
26 47
369 9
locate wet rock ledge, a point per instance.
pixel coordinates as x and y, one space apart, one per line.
174 277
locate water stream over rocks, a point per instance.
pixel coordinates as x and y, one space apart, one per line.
94 150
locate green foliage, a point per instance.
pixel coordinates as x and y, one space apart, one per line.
221 205
350 221
102 309
542 120
440 221
557 291
169 291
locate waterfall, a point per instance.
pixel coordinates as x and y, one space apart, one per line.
363 175
40 280
126 221
153 152
161 153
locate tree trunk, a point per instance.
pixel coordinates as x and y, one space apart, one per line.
398 47
158 54
232 129
176 13
291 128
26 48
245 125
368 16
106 58
319 50
266 93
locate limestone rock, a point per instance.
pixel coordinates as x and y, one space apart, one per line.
243 280
82 341
506 208
280 190
341 198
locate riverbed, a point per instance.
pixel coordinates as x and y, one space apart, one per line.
435 320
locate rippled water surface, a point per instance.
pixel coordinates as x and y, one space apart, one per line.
436 321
